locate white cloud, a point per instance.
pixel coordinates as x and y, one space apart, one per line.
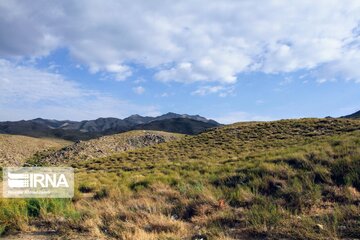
183 42
217 66
165 95
121 71
346 68
28 93
222 91
21 83
139 90
234 117
321 80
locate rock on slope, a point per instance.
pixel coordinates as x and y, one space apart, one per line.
107 145
14 150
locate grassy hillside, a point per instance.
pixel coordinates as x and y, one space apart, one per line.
104 146
15 149
291 179
233 141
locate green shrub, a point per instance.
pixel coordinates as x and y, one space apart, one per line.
85 188
13 215
346 172
33 207
137 186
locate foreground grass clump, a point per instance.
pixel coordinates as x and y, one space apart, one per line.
293 179
19 215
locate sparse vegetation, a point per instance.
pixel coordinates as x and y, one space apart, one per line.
291 179
15 149
103 146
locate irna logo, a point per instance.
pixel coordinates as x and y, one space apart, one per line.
29 182
34 180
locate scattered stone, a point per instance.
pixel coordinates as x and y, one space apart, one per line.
174 217
199 237
319 227
107 145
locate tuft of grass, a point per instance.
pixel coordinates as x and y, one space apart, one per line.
265 216
347 172
102 193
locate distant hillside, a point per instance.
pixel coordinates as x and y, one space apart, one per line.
14 150
354 115
88 129
245 138
223 142
107 145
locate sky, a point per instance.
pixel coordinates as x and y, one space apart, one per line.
227 60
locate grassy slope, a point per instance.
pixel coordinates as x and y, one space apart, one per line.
233 141
104 146
285 179
15 149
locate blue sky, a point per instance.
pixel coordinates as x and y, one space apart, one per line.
229 60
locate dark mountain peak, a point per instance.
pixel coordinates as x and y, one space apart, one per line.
38 119
47 120
177 125
170 114
136 119
51 123
105 119
353 115
135 116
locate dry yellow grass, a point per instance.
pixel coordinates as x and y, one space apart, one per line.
15 149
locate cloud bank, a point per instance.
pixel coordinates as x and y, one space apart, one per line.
189 41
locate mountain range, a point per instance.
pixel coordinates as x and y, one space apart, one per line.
88 129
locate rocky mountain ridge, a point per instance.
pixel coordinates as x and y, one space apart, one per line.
88 129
